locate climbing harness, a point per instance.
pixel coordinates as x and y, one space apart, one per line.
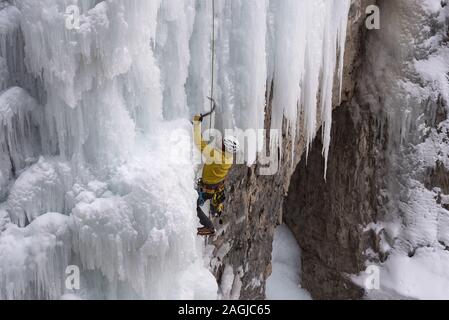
218 202
209 188
215 193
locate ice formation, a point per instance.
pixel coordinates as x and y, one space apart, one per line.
96 168
413 83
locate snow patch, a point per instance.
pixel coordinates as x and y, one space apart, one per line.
285 280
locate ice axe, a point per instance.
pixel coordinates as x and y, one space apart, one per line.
212 110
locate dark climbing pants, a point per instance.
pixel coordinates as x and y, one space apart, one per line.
204 220
217 197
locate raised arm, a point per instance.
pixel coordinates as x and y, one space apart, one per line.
207 150
197 135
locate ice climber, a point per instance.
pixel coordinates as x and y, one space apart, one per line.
212 184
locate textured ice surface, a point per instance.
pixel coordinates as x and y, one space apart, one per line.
38 190
35 257
19 137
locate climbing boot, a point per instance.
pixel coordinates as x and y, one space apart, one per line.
206 232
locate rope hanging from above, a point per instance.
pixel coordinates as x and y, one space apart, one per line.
212 104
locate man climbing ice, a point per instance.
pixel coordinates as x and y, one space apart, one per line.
212 184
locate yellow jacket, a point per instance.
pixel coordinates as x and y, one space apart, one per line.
218 163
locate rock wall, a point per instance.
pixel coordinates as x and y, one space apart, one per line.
255 204
328 216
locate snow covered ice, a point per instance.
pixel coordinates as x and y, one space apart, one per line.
284 282
87 116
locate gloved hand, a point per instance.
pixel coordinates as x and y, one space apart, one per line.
198 118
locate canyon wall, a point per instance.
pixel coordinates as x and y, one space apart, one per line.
256 204
384 200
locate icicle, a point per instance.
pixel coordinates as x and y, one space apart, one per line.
9 30
175 25
333 46
302 59
242 72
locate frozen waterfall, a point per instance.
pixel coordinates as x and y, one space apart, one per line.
96 166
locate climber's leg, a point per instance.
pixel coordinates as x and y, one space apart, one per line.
204 220
208 227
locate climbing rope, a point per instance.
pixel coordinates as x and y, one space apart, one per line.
211 98
212 104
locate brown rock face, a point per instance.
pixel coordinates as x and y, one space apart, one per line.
255 204
328 216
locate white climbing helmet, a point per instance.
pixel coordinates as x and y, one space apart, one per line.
231 144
